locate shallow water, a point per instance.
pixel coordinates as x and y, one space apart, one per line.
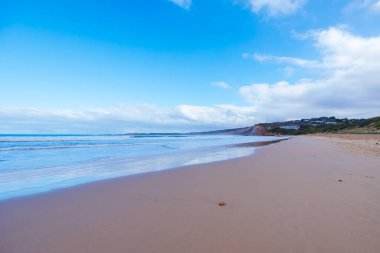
31 164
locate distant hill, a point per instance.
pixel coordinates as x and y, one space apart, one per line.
307 126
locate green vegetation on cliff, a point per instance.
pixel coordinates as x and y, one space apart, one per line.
352 126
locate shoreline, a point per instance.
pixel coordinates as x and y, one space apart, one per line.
257 144
120 162
285 198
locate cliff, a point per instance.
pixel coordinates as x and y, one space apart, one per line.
246 131
306 126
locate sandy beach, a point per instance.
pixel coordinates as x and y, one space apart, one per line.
303 195
368 144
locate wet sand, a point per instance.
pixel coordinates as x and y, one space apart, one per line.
302 195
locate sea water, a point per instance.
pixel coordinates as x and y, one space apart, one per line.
31 164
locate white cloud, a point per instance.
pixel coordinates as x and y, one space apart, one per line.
357 5
182 3
288 71
245 56
125 118
276 7
376 6
351 86
271 7
222 85
282 60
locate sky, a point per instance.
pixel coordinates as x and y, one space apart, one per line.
184 65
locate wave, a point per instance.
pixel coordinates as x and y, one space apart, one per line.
68 147
18 148
159 136
81 138
168 147
39 140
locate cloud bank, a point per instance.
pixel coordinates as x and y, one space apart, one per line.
350 86
125 118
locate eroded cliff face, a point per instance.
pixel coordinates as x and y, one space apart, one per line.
263 131
258 129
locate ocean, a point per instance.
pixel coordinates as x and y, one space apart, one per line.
31 164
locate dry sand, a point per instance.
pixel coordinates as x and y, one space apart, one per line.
358 143
287 198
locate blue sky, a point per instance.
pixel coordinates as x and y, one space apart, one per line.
181 65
